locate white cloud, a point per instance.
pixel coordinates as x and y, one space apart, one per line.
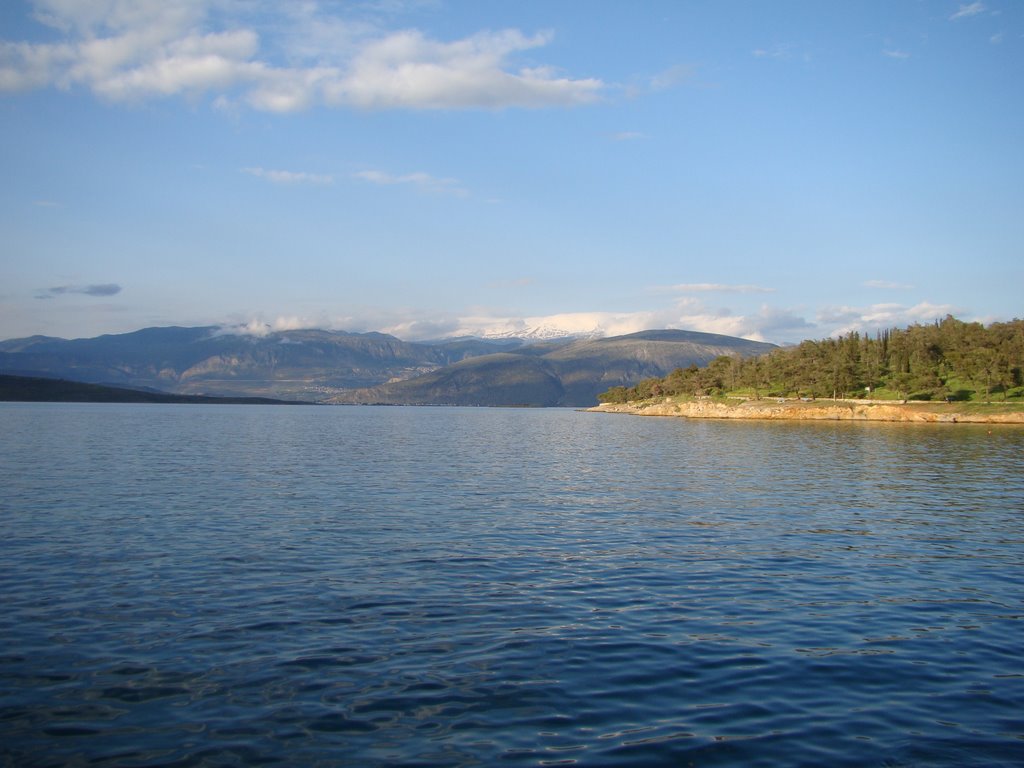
967 10
485 325
89 17
406 69
606 323
259 327
128 51
764 323
289 177
287 90
423 181
256 328
845 319
24 66
767 324
896 54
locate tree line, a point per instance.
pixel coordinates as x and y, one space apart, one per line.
948 359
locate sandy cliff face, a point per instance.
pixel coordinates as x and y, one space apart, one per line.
817 411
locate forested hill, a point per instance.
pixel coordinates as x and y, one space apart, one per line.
949 359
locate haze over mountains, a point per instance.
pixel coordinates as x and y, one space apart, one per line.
342 367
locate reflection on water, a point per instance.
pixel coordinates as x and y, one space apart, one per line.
228 585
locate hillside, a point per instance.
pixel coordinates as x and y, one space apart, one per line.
28 389
557 374
302 365
948 360
341 367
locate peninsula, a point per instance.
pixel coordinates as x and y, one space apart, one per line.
821 410
945 372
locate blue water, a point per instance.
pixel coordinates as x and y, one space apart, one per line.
242 585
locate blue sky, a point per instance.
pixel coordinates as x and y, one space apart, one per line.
773 170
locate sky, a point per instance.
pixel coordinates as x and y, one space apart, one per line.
772 169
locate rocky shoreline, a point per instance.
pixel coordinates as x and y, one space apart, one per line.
792 410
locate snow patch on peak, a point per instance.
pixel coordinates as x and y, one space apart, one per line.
543 332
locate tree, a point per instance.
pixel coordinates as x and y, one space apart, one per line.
983 360
922 359
614 395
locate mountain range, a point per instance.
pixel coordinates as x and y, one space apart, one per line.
343 367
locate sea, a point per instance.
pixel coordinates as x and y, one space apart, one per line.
208 585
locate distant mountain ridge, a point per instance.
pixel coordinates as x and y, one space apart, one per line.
569 373
339 366
301 364
31 389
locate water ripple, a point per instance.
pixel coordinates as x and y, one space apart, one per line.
457 587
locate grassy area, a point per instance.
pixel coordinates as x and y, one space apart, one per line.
958 394
980 407
1012 405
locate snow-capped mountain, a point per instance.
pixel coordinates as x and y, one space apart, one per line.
542 333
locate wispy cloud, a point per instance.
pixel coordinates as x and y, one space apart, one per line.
845 319
713 288
764 324
671 77
778 324
423 181
967 10
513 282
102 289
126 52
773 323
782 52
492 326
407 69
289 177
997 38
259 327
886 285
896 54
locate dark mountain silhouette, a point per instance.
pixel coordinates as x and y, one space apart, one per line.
32 389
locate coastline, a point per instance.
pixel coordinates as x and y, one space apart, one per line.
789 410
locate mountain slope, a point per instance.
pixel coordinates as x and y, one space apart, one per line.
305 364
499 379
566 374
28 389
336 366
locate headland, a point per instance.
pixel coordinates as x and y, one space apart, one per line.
820 410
